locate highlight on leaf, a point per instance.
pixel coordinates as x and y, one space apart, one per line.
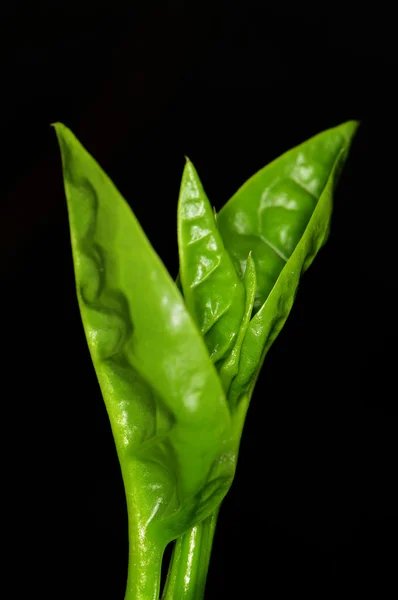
177 362
213 291
270 212
169 415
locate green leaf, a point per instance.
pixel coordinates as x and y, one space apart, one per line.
270 212
229 369
213 292
165 402
176 433
281 217
269 320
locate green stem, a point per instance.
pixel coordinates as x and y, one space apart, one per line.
186 579
144 570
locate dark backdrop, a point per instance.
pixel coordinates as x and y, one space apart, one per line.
311 510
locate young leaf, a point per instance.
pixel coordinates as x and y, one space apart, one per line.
281 215
165 402
229 368
269 213
213 292
269 320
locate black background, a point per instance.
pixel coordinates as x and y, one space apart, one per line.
311 510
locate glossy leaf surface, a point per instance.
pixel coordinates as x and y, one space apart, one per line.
213 291
270 212
229 368
281 217
176 423
166 405
269 320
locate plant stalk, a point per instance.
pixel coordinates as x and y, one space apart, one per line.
144 570
189 565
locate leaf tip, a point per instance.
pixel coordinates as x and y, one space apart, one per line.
250 261
61 131
350 129
57 125
189 173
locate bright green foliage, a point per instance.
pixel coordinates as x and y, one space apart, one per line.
177 370
166 405
270 212
213 291
219 300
